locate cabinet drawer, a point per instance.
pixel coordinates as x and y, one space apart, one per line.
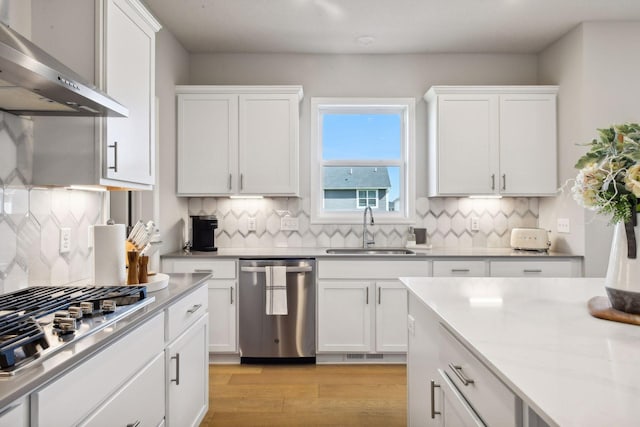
217 269
16 414
459 268
372 269
486 394
121 410
186 311
532 269
72 397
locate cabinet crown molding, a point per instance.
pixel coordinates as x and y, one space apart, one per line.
466 90
234 89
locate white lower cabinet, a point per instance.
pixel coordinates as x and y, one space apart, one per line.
155 375
222 297
188 396
447 385
362 307
119 411
222 316
344 316
15 414
534 268
69 400
459 268
391 317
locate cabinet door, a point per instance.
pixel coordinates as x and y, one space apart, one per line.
15 414
391 317
222 312
268 144
118 410
344 316
528 144
207 144
456 411
129 71
467 144
188 382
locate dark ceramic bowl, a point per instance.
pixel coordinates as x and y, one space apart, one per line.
622 300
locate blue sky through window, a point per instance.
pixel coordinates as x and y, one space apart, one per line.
347 136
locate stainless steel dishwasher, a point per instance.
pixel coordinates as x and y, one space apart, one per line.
289 338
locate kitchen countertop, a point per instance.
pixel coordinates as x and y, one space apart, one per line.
420 251
31 378
537 336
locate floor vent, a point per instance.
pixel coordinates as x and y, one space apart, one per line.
355 356
375 356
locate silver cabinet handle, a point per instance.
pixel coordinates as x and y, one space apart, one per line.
379 295
457 369
493 181
231 294
194 308
433 399
532 270
134 424
177 359
459 270
115 156
504 181
241 181
203 270
367 296
229 181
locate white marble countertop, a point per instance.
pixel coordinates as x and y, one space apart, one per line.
420 250
538 337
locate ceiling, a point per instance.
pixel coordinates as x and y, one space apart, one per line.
380 26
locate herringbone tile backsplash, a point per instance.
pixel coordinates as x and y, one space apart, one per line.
446 220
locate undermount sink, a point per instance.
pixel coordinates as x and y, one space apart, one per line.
370 251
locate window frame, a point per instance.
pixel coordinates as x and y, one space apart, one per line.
406 163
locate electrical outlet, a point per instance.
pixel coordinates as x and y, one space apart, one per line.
251 223
563 225
474 223
411 325
288 223
65 240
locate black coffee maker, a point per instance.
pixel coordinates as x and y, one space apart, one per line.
202 233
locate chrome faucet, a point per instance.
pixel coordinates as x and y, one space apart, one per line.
367 243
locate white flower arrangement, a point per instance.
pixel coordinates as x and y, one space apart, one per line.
609 177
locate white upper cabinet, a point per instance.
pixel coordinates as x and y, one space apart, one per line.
238 140
492 140
112 45
129 46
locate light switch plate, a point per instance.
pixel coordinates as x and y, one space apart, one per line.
474 223
563 225
251 223
65 240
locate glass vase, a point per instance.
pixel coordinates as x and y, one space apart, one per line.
623 273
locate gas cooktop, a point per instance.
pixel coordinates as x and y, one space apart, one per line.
38 321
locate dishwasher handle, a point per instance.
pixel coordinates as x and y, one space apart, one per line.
303 269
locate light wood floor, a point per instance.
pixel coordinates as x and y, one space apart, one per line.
307 395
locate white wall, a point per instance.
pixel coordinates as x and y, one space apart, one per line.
596 67
172 68
362 76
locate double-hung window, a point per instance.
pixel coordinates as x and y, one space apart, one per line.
362 154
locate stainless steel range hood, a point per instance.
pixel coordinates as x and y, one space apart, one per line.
33 83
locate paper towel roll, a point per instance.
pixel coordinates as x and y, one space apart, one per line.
108 266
